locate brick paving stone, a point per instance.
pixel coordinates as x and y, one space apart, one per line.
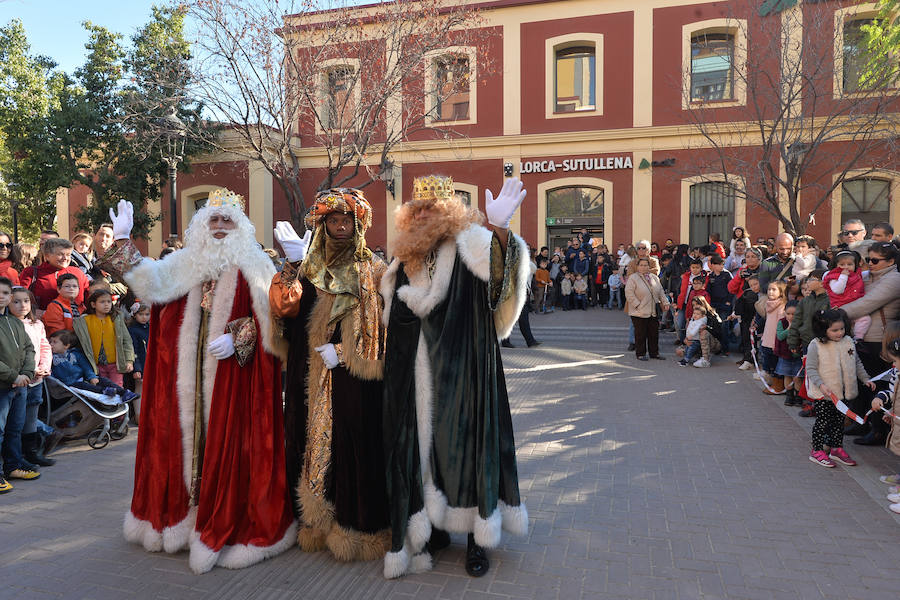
642 481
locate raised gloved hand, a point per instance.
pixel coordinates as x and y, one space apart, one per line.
329 355
222 347
294 246
500 211
123 222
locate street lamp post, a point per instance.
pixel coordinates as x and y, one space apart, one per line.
387 175
174 131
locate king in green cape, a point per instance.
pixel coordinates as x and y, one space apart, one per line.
454 289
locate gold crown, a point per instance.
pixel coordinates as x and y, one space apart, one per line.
433 187
223 197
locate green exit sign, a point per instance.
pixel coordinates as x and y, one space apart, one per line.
551 221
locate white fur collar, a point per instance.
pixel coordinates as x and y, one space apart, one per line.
424 292
474 246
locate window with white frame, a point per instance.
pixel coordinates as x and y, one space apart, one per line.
452 87
712 66
338 98
855 53
575 85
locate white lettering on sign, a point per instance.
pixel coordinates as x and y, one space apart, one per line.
576 164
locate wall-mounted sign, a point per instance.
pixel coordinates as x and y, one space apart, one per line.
576 164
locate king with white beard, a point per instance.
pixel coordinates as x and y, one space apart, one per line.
209 470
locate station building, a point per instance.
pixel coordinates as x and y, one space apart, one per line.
589 103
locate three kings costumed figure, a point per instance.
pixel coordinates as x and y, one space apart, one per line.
454 289
328 299
209 469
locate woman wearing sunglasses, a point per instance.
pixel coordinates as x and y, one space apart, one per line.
6 268
882 303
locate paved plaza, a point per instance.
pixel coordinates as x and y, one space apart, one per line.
642 480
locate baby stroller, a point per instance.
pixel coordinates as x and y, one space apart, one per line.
78 413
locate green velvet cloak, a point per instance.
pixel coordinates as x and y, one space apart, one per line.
463 478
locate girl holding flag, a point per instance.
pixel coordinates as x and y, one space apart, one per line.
832 367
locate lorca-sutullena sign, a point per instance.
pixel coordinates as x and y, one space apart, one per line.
576 164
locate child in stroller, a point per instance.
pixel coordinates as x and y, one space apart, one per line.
72 368
81 402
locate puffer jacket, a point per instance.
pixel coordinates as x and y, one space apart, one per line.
882 294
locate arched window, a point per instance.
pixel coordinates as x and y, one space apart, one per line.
711 210
575 79
867 199
712 67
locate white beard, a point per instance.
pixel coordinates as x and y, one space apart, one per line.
211 256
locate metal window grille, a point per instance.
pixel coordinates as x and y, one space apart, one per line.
712 211
866 199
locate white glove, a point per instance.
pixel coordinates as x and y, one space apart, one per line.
294 246
329 355
123 222
500 211
222 347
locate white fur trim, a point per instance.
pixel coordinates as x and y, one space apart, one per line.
515 518
423 293
171 539
386 287
424 400
186 383
418 531
244 555
420 563
396 563
508 312
474 247
487 531
162 281
219 316
177 537
455 519
138 531
203 558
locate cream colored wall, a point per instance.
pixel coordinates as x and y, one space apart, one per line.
62 212
260 203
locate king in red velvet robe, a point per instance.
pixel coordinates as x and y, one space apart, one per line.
239 512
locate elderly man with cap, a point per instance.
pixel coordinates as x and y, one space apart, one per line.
209 468
327 297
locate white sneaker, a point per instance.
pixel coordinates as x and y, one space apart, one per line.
895 498
745 366
895 507
702 363
757 377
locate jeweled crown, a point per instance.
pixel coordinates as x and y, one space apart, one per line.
224 197
433 187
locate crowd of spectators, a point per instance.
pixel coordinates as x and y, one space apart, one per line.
61 316
815 323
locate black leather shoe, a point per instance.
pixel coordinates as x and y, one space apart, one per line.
658 357
644 358
870 439
439 540
506 344
477 563
533 343
631 347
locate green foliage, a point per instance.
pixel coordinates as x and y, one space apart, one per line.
882 38
99 126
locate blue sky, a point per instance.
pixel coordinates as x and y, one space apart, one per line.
54 26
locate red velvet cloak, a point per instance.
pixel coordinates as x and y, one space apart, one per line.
243 513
